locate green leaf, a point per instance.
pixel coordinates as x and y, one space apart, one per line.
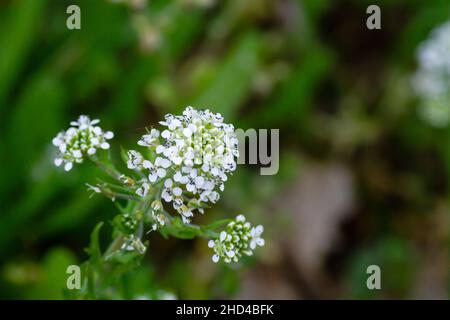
180 230
53 278
217 224
17 35
230 87
94 250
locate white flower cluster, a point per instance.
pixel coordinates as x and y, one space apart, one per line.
192 157
238 239
83 138
432 80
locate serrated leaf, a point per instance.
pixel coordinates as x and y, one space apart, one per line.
94 249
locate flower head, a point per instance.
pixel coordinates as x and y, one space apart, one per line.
432 80
238 239
82 139
193 156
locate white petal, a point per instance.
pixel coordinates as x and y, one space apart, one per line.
160 149
77 154
222 236
177 160
104 145
177 176
166 196
187 132
190 187
168 183
152 177
56 141
161 173
184 180
175 123
166 134
177 191
58 161
147 164
97 130
211 243
165 163
215 258
187 214
162 162
108 135
199 181
259 229
68 166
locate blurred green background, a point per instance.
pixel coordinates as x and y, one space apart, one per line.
362 179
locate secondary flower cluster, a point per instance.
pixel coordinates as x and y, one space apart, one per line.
192 156
432 80
239 239
83 138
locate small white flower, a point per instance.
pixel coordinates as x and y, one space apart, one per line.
155 172
256 239
148 139
169 191
432 79
135 160
80 140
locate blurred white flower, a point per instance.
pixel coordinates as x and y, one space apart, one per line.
432 79
135 160
238 239
165 295
82 139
